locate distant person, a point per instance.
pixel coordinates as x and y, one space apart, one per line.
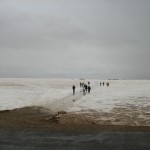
80 87
89 89
103 83
73 87
83 90
100 83
107 84
88 83
85 86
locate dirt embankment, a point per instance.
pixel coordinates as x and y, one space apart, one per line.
38 118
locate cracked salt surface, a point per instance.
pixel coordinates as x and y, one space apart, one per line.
15 93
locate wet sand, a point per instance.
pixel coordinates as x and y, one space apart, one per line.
39 118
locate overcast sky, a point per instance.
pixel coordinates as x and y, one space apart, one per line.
102 39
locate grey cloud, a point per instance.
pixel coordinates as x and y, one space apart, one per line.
91 38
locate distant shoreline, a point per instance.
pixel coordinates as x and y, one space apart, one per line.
69 78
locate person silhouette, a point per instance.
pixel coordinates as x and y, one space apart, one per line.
107 83
83 90
80 84
85 86
73 87
89 89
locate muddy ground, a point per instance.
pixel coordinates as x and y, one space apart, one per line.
38 118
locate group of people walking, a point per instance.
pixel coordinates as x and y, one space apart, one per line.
83 88
107 83
86 87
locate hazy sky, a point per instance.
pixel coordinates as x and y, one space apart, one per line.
75 38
